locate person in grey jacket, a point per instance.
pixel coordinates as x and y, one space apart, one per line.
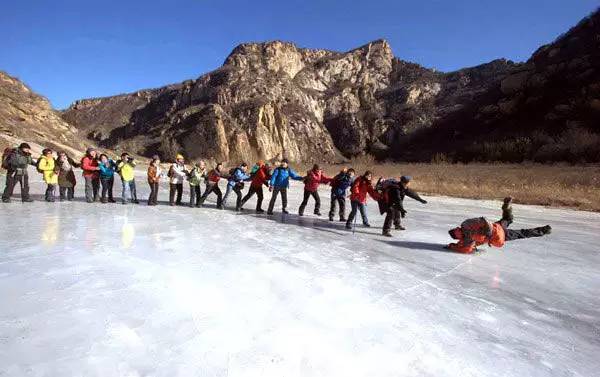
16 165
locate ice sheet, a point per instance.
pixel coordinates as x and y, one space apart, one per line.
113 290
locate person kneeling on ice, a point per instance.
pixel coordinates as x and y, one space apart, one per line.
339 186
235 183
279 183
314 178
48 167
260 177
392 202
214 176
358 198
478 231
126 169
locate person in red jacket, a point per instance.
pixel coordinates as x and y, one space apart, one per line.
212 185
361 187
259 178
313 179
91 174
478 231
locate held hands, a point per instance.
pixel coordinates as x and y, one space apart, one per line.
270 188
424 201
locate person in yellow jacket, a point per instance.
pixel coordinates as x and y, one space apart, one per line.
48 167
126 169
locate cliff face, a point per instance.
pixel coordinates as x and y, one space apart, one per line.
274 99
26 116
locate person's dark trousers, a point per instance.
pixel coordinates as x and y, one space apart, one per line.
392 216
357 206
92 187
210 189
511 235
153 198
342 204
195 195
238 201
50 190
276 192
66 193
259 196
175 193
308 194
107 189
11 181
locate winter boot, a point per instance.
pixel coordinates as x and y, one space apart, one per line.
330 218
285 212
317 213
399 227
546 229
260 211
348 225
386 233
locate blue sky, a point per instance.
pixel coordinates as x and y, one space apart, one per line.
68 50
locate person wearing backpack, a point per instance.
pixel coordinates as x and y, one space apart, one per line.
279 183
107 178
235 183
47 166
66 176
91 174
314 178
214 176
197 176
177 175
339 188
126 169
392 202
15 161
361 187
260 177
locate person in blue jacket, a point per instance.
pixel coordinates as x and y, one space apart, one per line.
339 189
235 183
107 179
280 181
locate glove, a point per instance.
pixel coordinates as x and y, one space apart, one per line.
270 188
424 201
402 213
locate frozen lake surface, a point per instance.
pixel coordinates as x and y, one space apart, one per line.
113 290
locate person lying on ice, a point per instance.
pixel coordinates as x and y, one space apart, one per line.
260 177
235 183
358 198
313 179
392 201
478 231
339 186
279 183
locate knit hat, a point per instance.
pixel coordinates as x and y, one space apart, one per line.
405 178
179 157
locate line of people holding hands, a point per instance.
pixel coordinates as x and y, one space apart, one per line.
99 171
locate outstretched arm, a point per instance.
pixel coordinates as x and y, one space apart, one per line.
412 194
295 175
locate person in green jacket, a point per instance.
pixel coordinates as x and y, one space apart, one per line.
195 178
126 169
16 162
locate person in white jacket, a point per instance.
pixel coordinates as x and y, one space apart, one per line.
177 175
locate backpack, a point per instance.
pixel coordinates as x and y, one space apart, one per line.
8 152
37 166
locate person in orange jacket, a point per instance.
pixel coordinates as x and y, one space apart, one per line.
361 187
478 231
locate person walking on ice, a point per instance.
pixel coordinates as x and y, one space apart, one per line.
177 175
196 177
314 178
260 177
392 202
478 231
16 161
361 187
339 187
279 183
235 183
214 176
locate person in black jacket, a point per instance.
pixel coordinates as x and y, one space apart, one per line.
16 162
392 203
